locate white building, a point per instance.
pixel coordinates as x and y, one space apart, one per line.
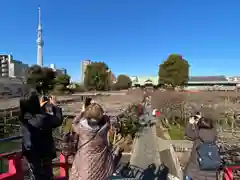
61 71
52 66
12 68
83 67
17 69
234 78
58 71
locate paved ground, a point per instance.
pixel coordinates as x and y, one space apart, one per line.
145 150
146 156
112 105
150 149
145 153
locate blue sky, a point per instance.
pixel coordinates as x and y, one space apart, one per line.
131 36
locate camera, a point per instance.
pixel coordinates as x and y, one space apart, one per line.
45 98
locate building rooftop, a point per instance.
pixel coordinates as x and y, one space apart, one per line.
143 80
207 78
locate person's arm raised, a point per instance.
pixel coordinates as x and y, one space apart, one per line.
191 131
75 124
57 118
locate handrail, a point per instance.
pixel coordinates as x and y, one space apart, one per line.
15 171
12 138
9 154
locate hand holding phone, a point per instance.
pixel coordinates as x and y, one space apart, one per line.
45 98
52 100
43 101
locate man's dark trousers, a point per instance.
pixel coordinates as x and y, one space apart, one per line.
40 169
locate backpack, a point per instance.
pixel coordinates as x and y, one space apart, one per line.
208 156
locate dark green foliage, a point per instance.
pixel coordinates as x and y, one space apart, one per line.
129 123
45 80
34 76
123 82
78 88
97 77
61 82
40 78
48 79
174 71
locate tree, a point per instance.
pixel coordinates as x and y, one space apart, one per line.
62 81
123 82
174 71
127 125
48 79
97 76
42 79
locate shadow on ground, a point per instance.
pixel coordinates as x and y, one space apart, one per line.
151 173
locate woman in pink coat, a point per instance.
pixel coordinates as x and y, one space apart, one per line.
94 160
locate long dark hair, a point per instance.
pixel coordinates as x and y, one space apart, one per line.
87 102
205 123
29 103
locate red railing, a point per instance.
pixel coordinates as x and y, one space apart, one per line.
15 170
228 171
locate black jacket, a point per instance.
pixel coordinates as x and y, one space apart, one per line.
37 133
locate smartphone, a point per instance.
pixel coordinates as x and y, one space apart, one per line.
45 98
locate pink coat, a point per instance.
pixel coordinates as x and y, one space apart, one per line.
93 161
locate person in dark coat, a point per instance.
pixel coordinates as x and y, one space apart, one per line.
36 126
197 130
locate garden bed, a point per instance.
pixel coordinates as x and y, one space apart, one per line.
176 133
126 125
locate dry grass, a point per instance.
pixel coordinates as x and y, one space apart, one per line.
215 102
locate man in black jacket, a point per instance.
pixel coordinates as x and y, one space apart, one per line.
38 144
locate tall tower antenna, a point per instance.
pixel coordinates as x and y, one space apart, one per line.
39 40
